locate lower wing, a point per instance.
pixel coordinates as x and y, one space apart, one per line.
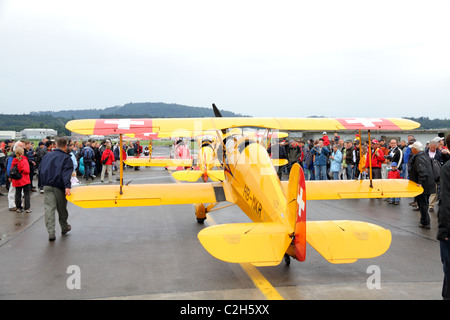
146 195
360 189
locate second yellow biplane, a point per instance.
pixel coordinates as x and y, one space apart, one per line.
277 209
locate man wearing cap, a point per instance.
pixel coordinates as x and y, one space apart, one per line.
422 173
443 234
377 159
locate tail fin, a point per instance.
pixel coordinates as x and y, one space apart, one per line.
296 210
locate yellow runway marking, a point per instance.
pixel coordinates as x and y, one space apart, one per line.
258 279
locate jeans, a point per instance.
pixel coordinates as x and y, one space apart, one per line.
336 175
87 169
320 172
396 200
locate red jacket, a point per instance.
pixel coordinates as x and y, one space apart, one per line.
108 153
24 169
377 158
394 174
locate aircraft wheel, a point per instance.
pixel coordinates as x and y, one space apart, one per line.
200 212
287 260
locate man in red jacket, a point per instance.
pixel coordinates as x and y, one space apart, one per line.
377 157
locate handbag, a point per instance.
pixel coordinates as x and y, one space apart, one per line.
14 173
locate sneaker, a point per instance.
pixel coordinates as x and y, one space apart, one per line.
28 211
424 226
19 210
67 229
397 203
41 191
431 210
51 237
13 209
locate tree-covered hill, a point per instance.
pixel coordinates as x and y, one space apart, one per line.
57 119
142 109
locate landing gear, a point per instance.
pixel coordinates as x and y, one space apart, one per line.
200 212
287 260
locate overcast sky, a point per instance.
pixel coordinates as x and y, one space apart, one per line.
333 58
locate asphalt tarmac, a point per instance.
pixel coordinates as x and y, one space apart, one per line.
154 253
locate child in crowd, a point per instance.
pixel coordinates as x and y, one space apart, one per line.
394 174
74 180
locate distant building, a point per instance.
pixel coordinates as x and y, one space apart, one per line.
38 134
7 135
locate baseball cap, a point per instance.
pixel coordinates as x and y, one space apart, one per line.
393 164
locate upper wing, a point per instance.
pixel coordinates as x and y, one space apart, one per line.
178 126
360 189
146 195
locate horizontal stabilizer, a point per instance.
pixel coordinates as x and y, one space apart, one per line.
360 189
346 241
257 243
187 175
194 175
146 162
279 162
216 175
146 195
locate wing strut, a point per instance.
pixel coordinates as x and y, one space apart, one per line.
121 162
370 160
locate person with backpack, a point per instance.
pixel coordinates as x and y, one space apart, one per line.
21 181
422 173
88 157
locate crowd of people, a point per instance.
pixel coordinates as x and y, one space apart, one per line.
89 159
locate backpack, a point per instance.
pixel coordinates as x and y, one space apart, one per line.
14 173
88 154
436 167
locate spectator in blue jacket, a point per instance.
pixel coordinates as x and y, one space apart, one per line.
56 171
320 161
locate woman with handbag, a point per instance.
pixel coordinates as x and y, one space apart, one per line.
22 180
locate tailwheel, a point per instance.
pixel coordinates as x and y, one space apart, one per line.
200 212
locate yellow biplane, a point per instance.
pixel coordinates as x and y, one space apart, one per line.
277 209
